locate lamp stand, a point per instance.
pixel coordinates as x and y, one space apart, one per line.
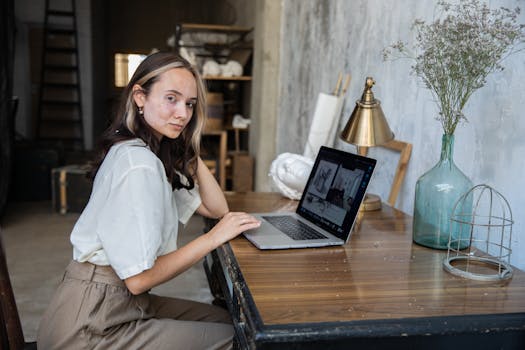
371 201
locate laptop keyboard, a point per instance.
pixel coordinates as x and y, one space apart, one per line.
294 228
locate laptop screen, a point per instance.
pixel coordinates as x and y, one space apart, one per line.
335 190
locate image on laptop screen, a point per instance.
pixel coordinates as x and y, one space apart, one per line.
334 192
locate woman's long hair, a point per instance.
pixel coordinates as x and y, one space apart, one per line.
177 155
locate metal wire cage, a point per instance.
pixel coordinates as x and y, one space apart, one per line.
480 248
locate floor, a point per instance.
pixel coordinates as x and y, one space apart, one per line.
36 241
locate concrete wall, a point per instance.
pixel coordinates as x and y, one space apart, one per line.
265 89
319 39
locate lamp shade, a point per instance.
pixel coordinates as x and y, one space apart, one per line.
367 125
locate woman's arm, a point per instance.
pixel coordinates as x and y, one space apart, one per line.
214 203
170 265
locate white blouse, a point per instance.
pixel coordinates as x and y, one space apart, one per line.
133 215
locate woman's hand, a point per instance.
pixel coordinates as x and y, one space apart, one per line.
231 225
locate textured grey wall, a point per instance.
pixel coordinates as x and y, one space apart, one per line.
319 39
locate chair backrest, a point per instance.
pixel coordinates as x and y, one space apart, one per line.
12 328
405 150
4 344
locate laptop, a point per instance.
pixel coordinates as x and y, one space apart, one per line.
327 209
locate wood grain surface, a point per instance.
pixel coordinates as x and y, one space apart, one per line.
379 274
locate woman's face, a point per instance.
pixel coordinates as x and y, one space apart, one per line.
169 106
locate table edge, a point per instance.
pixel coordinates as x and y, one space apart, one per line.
398 327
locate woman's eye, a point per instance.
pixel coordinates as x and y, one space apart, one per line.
190 105
171 99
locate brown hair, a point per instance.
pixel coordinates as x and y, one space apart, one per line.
177 155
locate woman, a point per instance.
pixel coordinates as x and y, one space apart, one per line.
147 179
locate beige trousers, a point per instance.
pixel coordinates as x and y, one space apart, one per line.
93 309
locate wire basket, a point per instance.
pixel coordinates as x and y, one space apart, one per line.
480 248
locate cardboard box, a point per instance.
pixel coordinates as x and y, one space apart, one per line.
70 188
242 172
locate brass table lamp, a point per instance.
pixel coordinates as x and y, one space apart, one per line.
367 127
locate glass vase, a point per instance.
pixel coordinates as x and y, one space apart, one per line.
437 191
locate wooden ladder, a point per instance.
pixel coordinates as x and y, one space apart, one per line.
59 121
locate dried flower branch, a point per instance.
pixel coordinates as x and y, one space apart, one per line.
454 54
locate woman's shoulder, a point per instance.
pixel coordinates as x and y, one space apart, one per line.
131 143
130 159
132 153
132 146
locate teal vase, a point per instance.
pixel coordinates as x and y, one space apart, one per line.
437 192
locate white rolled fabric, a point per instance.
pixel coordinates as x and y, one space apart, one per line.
211 67
231 69
324 124
289 173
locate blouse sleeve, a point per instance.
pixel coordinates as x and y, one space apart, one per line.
130 226
187 202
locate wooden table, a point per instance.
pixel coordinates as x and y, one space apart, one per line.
378 291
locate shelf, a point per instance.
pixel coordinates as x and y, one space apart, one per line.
231 44
231 128
218 77
195 27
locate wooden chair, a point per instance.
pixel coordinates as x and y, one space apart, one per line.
222 154
12 337
405 150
